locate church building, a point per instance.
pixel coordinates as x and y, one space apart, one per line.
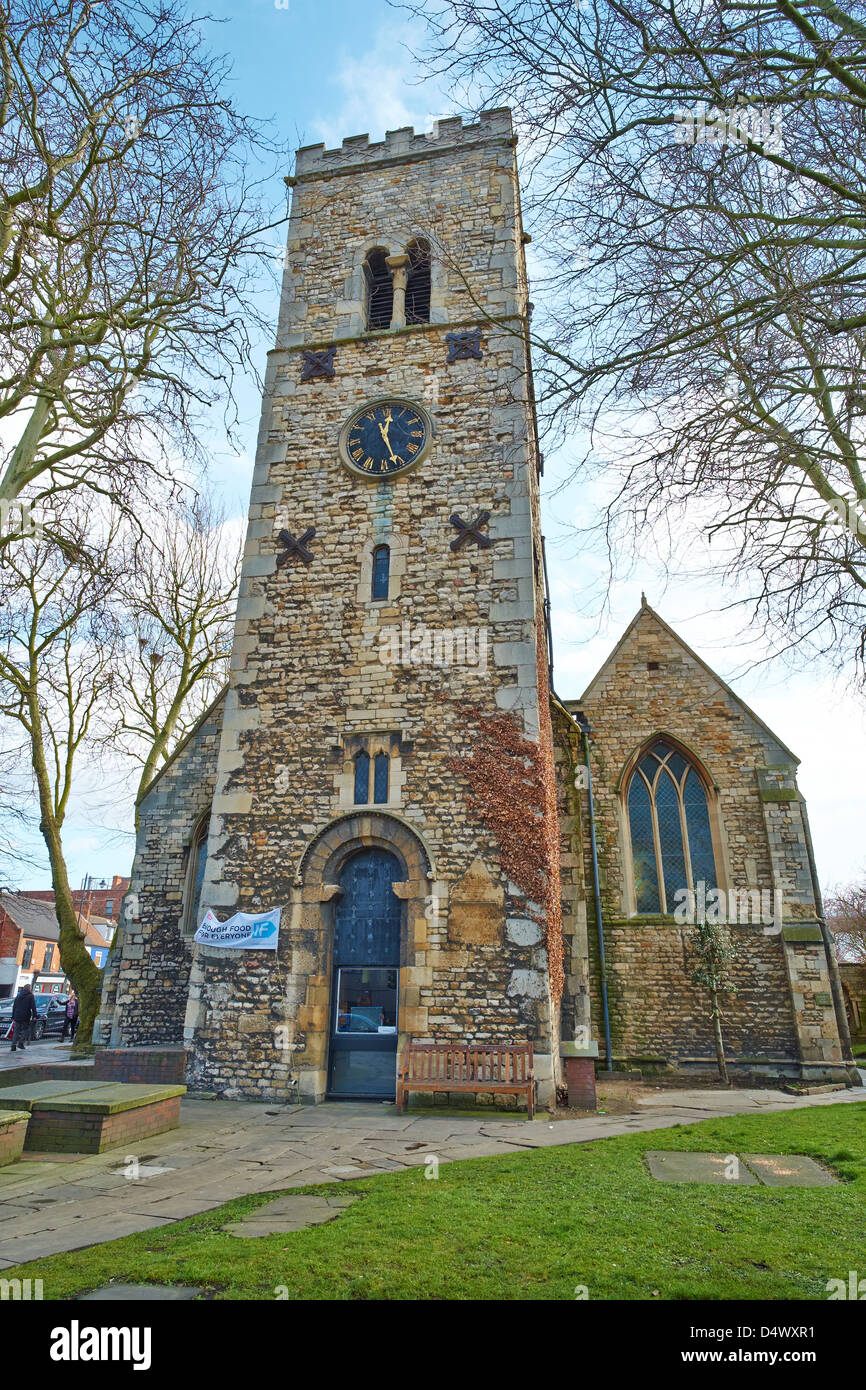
457 851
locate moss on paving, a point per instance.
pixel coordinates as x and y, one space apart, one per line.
534 1225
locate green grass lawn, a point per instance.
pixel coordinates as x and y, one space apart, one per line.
535 1225
859 1049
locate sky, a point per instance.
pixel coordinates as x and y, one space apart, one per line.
320 72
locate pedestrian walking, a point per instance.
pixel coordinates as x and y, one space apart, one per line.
71 1020
23 1013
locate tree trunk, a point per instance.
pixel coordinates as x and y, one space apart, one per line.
15 477
75 961
717 1036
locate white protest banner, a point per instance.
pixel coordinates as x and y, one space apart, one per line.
245 931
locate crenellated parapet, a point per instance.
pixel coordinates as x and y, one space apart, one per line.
446 135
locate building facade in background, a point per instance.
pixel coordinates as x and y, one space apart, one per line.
98 898
29 949
30 944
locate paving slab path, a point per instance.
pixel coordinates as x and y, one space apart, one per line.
228 1149
292 1213
48 1050
138 1293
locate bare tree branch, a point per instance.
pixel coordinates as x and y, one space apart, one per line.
132 242
703 300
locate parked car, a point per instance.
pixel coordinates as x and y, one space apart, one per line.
51 1009
51 1016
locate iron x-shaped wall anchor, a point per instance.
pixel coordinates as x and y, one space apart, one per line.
298 547
471 532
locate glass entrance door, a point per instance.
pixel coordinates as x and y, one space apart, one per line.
366 972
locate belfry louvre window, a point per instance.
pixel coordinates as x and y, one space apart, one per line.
669 825
418 283
380 290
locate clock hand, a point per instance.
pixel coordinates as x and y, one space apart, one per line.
384 431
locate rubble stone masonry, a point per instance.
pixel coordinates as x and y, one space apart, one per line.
308 680
780 1016
318 675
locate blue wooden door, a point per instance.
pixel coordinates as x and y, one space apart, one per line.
366 969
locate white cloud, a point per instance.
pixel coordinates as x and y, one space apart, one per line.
81 844
378 91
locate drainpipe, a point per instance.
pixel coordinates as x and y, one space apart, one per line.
832 963
583 724
548 625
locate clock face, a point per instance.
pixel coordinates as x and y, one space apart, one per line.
385 437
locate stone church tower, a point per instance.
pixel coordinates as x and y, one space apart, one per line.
391 617
455 857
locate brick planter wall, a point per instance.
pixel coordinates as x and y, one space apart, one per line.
90 1132
161 1065
13 1129
48 1071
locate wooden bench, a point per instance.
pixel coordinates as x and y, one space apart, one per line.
484 1067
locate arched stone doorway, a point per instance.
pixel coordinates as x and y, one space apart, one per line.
364 884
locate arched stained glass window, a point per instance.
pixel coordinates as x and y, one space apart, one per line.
381 571
669 823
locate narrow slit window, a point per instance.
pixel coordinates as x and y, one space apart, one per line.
195 874
380 290
418 283
362 779
380 778
381 571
